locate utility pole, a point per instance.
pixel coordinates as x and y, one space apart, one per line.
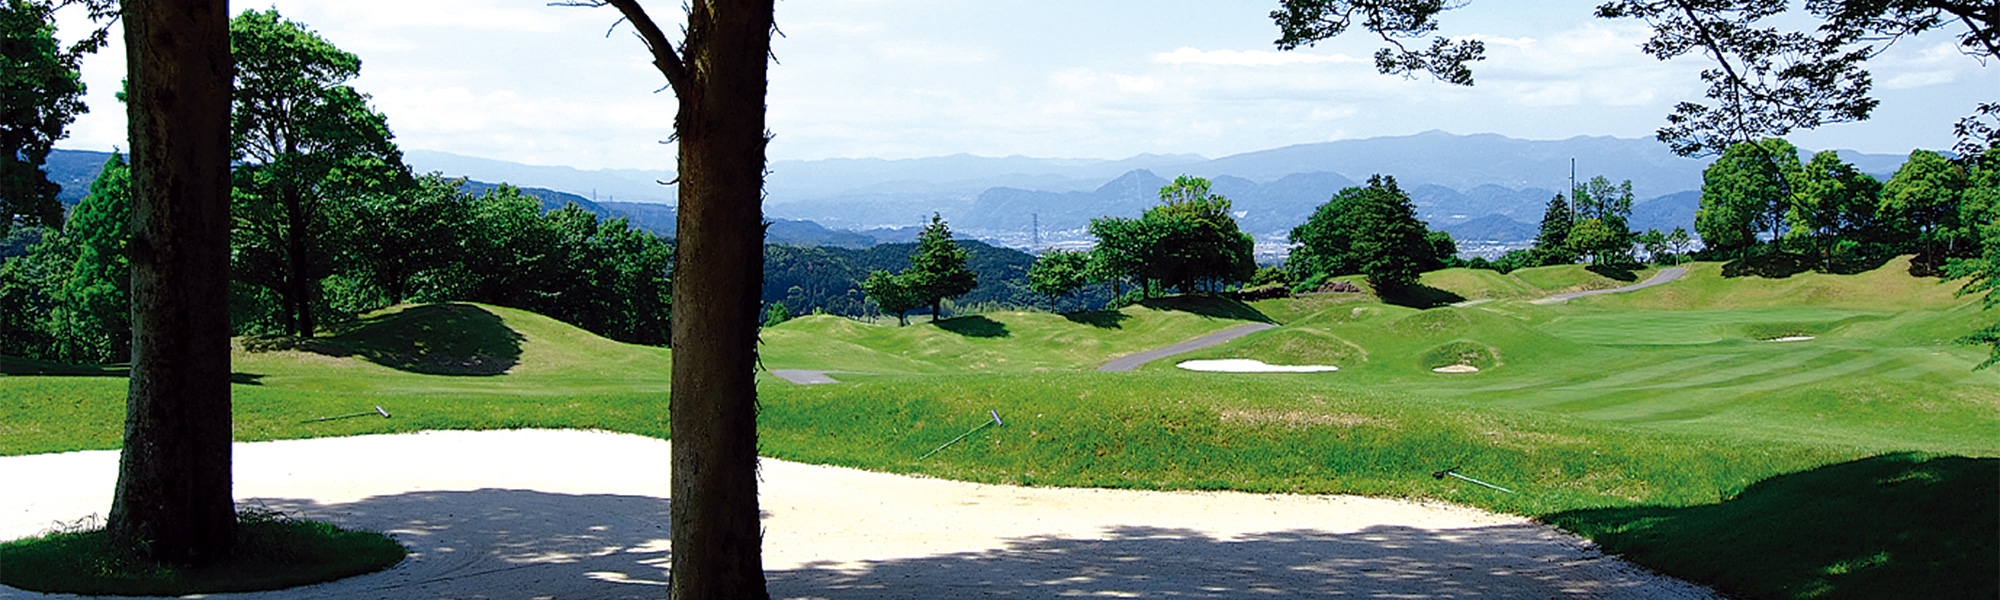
1572 190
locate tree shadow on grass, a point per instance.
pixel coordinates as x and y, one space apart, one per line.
433 339
975 326
1891 526
1616 272
1421 296
1101 319
526 543
1768 265
1208 306
10 365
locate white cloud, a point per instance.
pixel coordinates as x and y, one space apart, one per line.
1247 58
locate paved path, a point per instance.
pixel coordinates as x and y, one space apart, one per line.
1664 276
1132 361
805 376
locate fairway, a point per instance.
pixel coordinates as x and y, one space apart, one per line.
1667 398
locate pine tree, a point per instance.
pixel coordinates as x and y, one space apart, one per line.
1552 243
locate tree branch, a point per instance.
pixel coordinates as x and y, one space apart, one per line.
664 58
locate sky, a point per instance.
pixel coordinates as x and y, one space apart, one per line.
523 81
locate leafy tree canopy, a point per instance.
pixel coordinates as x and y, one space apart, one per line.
1370 230
41 93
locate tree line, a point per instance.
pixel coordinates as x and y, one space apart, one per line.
326 223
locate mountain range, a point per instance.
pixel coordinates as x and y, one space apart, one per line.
1484 188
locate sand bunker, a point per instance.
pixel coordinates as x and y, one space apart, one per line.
1457 369
578 514
1245 365
1790 338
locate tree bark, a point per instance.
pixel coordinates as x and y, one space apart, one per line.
717 536
299 286
173 500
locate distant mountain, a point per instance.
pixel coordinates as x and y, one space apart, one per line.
551 199
595 185
1474 184
74 170
1489 228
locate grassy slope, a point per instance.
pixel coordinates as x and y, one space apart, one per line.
1656 400
994 342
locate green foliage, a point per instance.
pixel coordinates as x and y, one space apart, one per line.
1305 22
828 279
1188 240
892 294
1834 209
412 238
1269 276
1599 199
44 94
1921 203
1769 81
1982 273
1058 273
1552 240
1655 245
93 316
937 268
69 298
306 145
1605 240
603 276
776 315
272 551
1746 191
1369 230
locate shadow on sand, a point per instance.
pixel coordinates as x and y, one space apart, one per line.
523 543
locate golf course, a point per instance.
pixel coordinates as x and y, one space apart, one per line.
1810 436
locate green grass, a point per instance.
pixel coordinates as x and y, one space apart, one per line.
998 341
1882 527
272 552
1628 409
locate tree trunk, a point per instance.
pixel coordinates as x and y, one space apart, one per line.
717 536
299 285
173 500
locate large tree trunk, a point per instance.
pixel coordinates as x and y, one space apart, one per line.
299 286
717 539
173 500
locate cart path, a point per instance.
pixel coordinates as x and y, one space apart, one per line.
1132 361
1665 275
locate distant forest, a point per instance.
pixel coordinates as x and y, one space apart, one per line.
828 279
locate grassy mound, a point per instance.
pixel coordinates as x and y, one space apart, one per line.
272 552
999 341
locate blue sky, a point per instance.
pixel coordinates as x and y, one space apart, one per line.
526 82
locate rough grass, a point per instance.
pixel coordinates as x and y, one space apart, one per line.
272 552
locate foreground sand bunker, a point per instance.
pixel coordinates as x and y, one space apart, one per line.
574 514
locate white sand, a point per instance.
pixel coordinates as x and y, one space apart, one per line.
1457 369
1245 365
1791 338
572 514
